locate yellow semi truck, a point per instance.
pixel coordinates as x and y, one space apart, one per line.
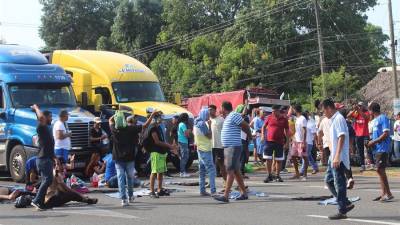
102 80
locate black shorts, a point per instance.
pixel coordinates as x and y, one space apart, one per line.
273 149
381 160
218 154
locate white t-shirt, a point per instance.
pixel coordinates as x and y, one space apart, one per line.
396 131
325 127
311 131
216 128
301 122
64 143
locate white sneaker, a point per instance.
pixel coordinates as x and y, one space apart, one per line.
124 203
186 175
131 200
303 179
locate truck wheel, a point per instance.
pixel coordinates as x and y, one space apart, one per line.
17 163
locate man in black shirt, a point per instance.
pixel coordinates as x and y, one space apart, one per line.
125 142
45 156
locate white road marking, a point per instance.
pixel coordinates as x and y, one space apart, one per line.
359 220
93 212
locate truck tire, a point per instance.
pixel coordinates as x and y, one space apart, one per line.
17 163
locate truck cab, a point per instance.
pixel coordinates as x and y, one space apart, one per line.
103 80
26 78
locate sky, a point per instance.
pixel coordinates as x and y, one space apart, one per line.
20 20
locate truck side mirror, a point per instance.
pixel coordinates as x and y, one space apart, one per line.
98 101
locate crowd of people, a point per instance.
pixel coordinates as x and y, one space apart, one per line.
280 135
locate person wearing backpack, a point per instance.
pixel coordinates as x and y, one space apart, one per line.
125 144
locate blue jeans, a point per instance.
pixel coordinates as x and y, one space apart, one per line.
184 152
336 181
45 169
206 165
311 159
126 175
62 153
396 150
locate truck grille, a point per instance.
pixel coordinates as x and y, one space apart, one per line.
80 134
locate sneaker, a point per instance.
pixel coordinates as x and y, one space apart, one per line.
154 195
242 197
314 172
185 175
349 207
377 199
131 199
163 192
295 177
37 206
269 179
124 203
362 168
386 198
350 184
284 171
278 179
338 216
303 179
205 194
221 199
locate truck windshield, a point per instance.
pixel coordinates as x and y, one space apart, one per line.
138 92
25 95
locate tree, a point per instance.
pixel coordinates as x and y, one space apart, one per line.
339 85
75 24
136 25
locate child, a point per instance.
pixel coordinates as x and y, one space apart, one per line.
202 137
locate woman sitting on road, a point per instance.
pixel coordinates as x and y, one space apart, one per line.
59 193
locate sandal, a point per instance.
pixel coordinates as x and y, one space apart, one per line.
377 199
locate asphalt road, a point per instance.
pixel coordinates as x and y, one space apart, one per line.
188 208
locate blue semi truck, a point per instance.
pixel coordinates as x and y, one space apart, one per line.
27 78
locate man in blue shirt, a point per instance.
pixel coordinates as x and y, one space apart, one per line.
381 144
110 174
339 159
231 140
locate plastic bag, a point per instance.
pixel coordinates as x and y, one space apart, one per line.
119 119
248 168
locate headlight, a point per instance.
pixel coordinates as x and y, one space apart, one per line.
35 140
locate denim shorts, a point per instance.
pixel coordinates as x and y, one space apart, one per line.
232 158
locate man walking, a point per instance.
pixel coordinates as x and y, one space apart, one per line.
217 148
299 147
361 118
381 145
125 142
339 159
278 131
231 140
45 157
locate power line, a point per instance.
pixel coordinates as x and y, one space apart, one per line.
193 35
212 28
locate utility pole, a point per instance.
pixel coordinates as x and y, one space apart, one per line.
320 47
393 48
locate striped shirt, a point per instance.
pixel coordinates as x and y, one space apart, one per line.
231 129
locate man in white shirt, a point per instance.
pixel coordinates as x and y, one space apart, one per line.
339 159
218 150
62 136
299 146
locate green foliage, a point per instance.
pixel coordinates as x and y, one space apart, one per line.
213 46
338 84
75 24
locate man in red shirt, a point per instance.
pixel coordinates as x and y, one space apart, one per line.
360 116
277 127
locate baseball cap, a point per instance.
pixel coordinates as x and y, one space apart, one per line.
339 105
97 120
